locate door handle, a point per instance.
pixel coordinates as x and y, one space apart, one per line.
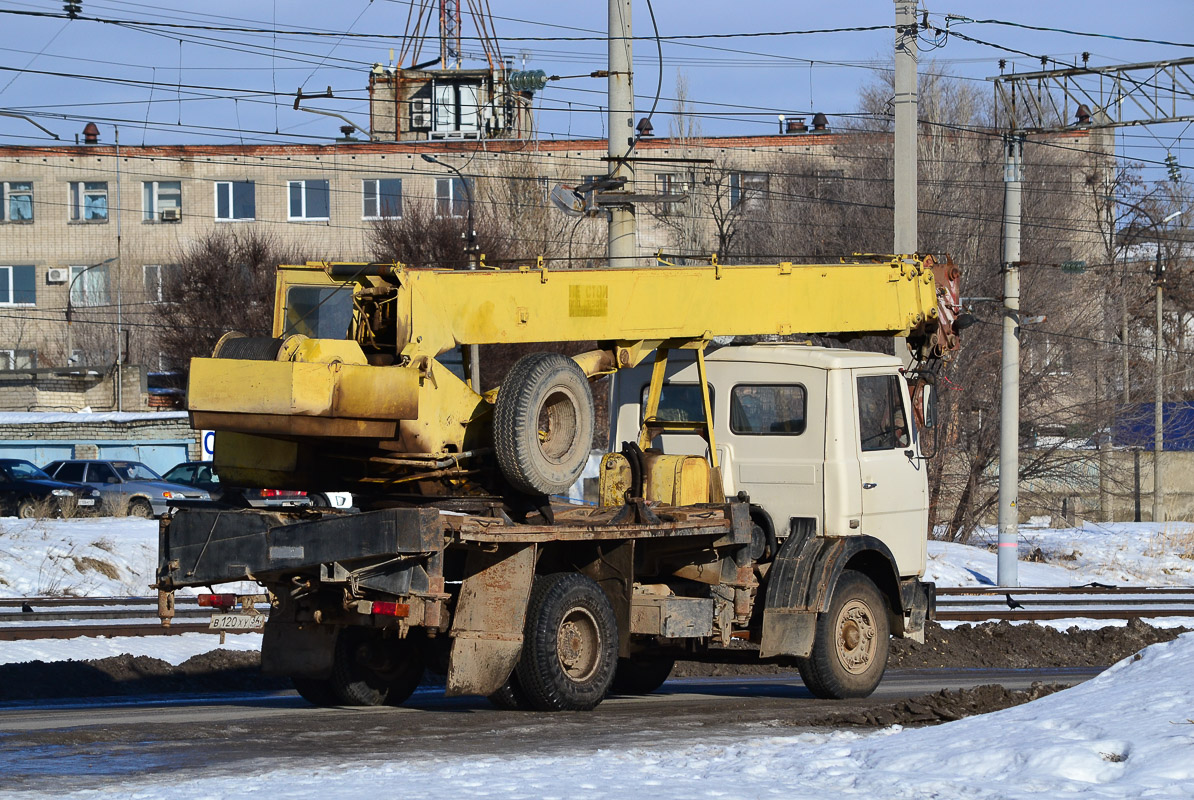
869 485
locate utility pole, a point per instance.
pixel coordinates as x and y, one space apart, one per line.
905 205
1158 406
1009 421
622 237
905 127
119 303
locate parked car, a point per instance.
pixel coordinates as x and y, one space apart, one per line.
27 492
203 475
341 500
126 485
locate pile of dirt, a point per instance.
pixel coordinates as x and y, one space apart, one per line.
1004 645
931 709
991 645
217 671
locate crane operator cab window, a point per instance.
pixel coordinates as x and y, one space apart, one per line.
321 312
882 421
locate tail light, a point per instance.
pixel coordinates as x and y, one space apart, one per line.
217 600
386 608
281 493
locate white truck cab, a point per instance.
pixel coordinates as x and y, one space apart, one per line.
811 434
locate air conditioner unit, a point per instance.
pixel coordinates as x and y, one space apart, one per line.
171 215
420 114
57 275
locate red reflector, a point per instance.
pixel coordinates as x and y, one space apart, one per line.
217 600
391 609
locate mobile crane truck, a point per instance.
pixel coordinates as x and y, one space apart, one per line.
762 501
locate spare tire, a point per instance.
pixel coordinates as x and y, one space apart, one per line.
543 423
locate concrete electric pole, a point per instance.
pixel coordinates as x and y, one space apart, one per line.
622 236
1009 421
905 127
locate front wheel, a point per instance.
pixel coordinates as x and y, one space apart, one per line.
140 508
570 645
850 649
27 508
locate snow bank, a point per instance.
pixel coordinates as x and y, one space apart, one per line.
106 556
1127 733
173 649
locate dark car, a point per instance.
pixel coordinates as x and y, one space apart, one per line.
202 475
128 486
28 492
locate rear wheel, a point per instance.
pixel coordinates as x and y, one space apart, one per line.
570 646
316 691
543 423
850 649
319 500
511 697
641 675
371 669
140 508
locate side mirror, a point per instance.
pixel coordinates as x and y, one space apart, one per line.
928 399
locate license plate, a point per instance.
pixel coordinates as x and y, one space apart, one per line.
86 501
237 622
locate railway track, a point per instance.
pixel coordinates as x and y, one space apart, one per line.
71 617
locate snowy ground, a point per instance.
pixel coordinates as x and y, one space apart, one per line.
1127 733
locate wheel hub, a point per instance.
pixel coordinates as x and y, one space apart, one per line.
857 637
578 644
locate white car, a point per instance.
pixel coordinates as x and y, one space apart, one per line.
342 500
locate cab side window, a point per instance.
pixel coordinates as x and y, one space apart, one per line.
768 410
882 421
678 402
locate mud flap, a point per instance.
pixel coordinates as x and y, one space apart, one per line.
291 649
490 616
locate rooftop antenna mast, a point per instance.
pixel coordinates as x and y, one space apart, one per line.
445 19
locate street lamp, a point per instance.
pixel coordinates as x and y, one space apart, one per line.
471 249
70 292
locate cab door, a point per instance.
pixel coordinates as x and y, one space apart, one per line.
894 485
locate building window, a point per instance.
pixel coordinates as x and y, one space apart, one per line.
749 190
18 286
161 281
89 201
162 201
1051 355
309 199
17 205
667 183
89 286
18 359
451 197
236 201
382 198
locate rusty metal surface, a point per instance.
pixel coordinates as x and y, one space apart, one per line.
490 614
33 632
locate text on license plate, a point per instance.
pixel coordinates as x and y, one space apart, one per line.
237 622
86 501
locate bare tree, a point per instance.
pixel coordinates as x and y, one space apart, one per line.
223 281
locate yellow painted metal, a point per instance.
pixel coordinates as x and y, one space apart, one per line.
303 389
322 351
446 308
708 405
676 480
651 412
614 479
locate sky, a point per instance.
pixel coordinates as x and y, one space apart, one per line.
171 85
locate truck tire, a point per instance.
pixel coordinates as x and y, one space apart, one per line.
543 423
637 676
511 697
316 691
850 649
570 645
370 669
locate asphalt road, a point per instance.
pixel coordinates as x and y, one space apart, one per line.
58 747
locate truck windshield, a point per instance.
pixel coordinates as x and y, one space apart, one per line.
321 312
678 402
